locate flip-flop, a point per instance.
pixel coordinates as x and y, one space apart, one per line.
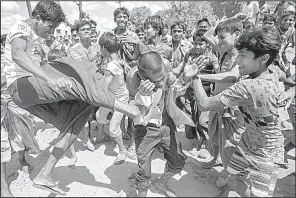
53 189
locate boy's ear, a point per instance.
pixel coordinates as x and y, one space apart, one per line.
265 58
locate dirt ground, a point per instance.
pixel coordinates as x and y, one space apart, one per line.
96 176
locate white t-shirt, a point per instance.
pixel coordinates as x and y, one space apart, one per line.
118 85
251 10
34 50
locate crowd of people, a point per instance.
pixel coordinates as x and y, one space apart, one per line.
220 82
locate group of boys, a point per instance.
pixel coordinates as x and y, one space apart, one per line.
224 85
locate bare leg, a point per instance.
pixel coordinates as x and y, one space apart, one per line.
214 161
43 179
24 165
162 184
73 158
85 137
121 157
239 187
132 149
5 191
129 110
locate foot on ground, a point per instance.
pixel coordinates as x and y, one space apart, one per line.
165 189
121 157
48 184
90 146
211 164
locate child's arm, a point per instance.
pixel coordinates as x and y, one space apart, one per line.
211 39
226 77
290 82
108 78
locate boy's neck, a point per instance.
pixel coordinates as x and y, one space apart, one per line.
120 31
112 57
156 41
262 70
232 52
175 43
85 43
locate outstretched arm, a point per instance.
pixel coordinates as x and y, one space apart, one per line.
226 77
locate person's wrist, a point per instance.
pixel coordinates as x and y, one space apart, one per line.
196 77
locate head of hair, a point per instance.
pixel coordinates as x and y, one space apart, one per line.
199 34
156 22
139 29
123 10
150 62
3 38
248 25
178 24
50 11
261 41
270 17
80 24
55 54
231 25
109 41
93 22
203 20
289 13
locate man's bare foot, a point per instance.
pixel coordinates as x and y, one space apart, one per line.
121 157
193 152
46 183
131 154
165 189
90 145
211 164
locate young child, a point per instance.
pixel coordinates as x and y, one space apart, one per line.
115 75
225 124
201 47
260 149
159 130
269 20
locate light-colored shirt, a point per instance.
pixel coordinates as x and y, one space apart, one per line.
179 54
78 52
118 85
34 50
257 100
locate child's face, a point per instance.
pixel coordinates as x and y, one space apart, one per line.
288 21
46 28
247 63
85 32
141 36
226 40
121 20
200 46
203 25
150 32
177 33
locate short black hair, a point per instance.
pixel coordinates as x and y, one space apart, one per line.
80 24
139 29
178 24
261 41
93 22
55 54
109 41
150 62
3 38
156 22
124 10
289 13
270 17
199 34
231 25
203 20
49 10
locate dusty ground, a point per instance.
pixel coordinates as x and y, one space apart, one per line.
95 175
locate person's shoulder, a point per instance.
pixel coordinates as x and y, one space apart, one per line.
75 46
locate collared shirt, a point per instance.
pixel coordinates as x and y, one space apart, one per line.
127 51
78 52
34 50
179 53
257 100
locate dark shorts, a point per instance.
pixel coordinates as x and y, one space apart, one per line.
150 137
67 110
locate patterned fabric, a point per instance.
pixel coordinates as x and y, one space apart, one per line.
263 174
257 100
34 49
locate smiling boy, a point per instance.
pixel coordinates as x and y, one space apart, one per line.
260 149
